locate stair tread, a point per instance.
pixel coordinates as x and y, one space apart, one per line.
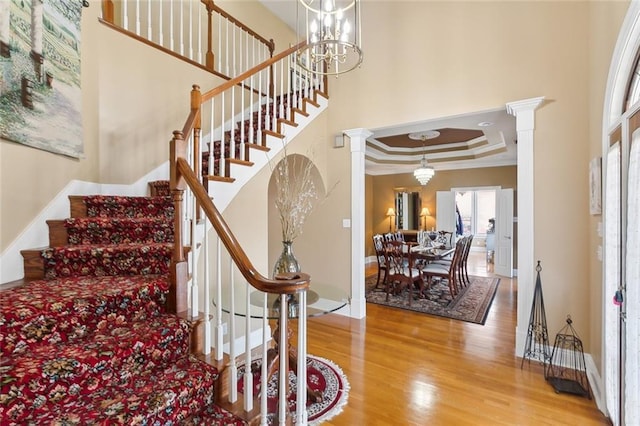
52 311
114 354
164 395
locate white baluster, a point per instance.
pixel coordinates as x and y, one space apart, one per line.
248 375
219 55
194 257
232 125
181 27
207 292
149 33
219 346
301 403
200 13
138 17
264 378
222 160
171 36
125 15
211 136
283 369
191 30
260 107
160 25
233 368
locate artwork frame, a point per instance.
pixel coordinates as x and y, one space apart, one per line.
595 186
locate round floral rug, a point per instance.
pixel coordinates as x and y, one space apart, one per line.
323 376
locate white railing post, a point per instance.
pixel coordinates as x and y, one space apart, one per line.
160 25
171 35
219 346
138 17
181 27
194 258
283 357
207 293
264 377
301 385
233 367
125 15
149 33
248 374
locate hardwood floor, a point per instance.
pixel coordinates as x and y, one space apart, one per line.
407 368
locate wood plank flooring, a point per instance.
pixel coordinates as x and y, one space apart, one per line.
407 368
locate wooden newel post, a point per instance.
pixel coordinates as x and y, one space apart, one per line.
107 11
209 56
178 271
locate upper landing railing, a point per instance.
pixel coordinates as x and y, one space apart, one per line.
196 31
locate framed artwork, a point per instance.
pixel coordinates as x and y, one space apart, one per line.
595 186
40 95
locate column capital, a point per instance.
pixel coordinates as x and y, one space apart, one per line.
358 138
523 110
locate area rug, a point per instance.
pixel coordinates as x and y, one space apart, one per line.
472 304
322 375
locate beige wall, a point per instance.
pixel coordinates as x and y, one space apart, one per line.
381 191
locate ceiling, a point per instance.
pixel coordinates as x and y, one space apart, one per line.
477 139
480 139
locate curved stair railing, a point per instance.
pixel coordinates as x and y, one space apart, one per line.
225 129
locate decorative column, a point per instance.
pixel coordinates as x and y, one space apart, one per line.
524 111
357 142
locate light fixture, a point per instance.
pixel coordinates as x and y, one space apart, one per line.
424 173
424 213
332 31
391 213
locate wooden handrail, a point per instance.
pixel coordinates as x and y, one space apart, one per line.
181 175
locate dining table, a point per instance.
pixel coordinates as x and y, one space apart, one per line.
429 253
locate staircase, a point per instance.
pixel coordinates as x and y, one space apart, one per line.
92 341
108 328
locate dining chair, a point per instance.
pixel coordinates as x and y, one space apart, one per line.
465 260
401 272
448 271
378 245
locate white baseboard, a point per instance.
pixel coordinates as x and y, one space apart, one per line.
596 384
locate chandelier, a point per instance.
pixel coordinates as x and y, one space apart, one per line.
424 173
331 29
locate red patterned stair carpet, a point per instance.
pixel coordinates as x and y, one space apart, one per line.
92 343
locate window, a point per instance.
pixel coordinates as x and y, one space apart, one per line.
476 208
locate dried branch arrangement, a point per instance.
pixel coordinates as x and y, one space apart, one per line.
295 194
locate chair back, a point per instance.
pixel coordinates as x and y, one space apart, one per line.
399 259
378 245
445 238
